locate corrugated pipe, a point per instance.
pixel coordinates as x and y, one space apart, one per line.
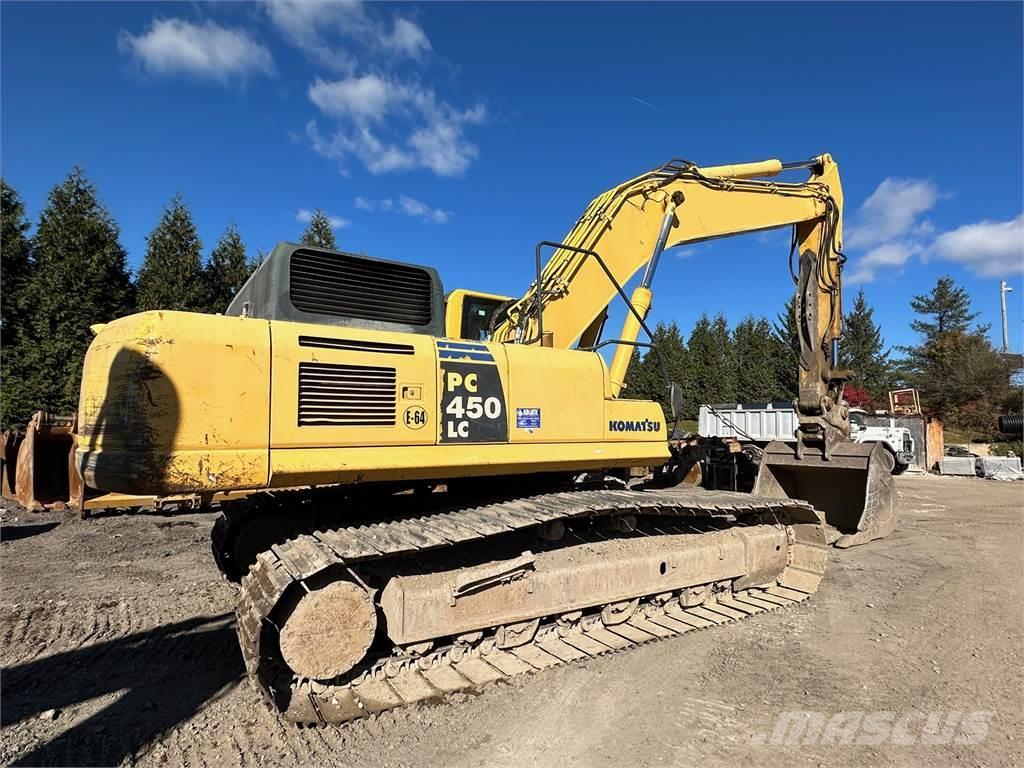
1011 425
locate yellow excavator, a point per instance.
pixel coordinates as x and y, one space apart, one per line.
441 490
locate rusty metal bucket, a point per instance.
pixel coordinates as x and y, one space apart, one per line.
854 488
45 474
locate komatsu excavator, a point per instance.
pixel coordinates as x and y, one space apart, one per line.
439 488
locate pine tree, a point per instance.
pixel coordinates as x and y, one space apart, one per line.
171 276
861 350
80 278
959 374
964 379
645 379
227 270
320 233
15 270
948 303
757 360
787 337
711 361
15 263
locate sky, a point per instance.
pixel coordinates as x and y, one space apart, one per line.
460 135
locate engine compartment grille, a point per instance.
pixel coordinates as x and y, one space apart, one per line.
356 345
347 286
331 394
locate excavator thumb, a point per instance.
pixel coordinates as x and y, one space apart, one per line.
853 487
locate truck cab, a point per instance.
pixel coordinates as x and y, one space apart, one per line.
897 440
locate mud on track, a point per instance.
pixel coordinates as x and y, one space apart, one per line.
116 648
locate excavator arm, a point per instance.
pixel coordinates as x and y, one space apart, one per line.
629 227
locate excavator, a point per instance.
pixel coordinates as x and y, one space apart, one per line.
441 490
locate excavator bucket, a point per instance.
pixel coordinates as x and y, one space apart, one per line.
854 487
46 476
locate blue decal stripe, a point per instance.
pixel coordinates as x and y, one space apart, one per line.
456 355
461 345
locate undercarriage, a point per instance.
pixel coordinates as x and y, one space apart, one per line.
337 623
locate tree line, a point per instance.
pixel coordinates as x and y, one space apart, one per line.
72 272
960 376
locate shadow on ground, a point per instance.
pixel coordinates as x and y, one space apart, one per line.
15 532
165 675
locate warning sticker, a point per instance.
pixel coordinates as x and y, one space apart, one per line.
528 418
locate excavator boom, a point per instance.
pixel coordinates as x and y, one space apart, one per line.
630 225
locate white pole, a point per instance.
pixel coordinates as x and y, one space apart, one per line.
1003 290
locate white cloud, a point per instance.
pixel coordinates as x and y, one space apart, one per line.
987 248
888 224
175 46
434 130
891 211
305 216
407 38
888 257
405 205
333 33
362 98
385 122
364 204
420 210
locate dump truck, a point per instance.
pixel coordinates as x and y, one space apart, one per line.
754 425
440 485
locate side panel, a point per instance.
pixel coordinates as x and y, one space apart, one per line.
433 462
348 387
634 421
556 395
175 402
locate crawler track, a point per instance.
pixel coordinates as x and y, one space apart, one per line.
392 677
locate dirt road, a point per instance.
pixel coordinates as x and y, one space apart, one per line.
116 646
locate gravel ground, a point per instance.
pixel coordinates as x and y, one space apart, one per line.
116 647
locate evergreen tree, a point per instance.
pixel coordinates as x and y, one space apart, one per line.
861 350
964 379
80 278
787 338
645 379
959 374
15 270
15 263
949 304
171 276
227 270
320 233
711 361
757 361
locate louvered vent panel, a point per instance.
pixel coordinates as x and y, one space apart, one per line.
356 345
344 286
346 395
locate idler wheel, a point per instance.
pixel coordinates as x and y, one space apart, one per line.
329 631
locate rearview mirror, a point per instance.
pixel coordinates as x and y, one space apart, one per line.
675 397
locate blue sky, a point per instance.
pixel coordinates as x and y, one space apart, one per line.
459 135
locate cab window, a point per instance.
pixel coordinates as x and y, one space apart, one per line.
476 316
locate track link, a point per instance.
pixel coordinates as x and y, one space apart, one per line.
396 680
